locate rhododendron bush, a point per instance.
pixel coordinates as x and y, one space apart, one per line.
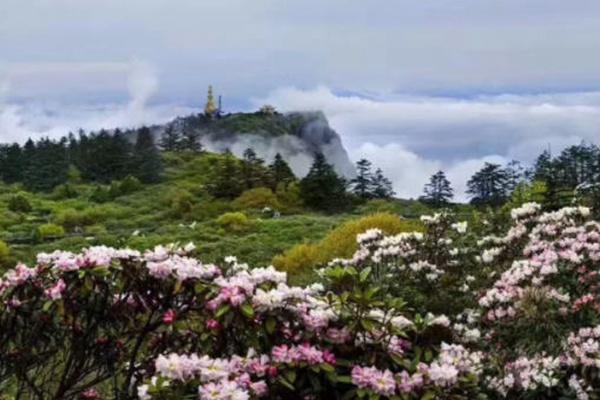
442 313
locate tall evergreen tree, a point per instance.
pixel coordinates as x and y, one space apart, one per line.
148 162
28 156
11 163
253 171
48 166
281 171
438 191
515 174
190 141
226 181
381 186
362 184
542 166
322 189
488 186
170 139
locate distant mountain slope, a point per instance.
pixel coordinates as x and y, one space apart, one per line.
297 136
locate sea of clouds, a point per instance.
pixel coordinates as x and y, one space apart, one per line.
409 137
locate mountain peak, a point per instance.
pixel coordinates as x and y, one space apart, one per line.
297 136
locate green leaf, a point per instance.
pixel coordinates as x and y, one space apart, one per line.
290 375
47 305
364 274
271 324
222 311
327 367
247 310
428 395
367 325
285 383
428 355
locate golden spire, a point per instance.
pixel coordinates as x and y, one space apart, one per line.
210 108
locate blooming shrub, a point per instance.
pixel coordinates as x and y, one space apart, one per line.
433 314
412 265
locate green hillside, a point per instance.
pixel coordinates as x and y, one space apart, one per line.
179 208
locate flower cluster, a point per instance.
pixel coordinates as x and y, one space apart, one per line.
528 374
453 362
236 378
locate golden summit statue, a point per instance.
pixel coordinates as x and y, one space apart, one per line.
210 109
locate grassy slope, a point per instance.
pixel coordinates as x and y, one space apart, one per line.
146 218
149 211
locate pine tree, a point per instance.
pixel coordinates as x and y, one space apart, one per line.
438 191
226 181
148 162
362 184
515 174
253 171
322 189
121 158
190 141
488 186
28 155
542 167
11 163
170 139
382 186
47 166
281 171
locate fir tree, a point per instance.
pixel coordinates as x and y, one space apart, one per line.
488 186
438 191
322 189
253 171
48 165
148 163
190 141
11 163
382 186
542 167
362 184
226 182
515 174
281 171
170 139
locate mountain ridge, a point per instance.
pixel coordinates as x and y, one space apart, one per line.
297 136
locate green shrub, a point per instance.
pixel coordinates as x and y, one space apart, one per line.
100 195
340 242
298 258
95 230
47 231
182 203
257 198
4 252
19 203
210 209
64 191
129 185
234 221
73 175
71 219
288 196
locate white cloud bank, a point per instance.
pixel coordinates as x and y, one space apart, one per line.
22 120
411 137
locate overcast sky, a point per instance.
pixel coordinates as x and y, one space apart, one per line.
413 85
